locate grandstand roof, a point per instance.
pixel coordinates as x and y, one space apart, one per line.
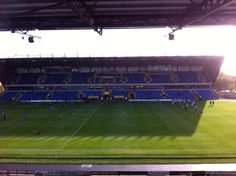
164 59
211 61
98 14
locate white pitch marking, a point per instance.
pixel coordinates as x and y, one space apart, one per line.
50 139
39 139
76 131
60 138
18 138
6 138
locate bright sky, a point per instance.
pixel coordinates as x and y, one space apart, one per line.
216 40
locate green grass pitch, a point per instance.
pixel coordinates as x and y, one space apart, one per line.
118 132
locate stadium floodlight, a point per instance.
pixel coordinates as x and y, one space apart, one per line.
31 39
171 36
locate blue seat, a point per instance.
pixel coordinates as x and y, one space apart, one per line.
207 94
29 78
55 79
8 96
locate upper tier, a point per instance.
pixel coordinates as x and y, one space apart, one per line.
116 78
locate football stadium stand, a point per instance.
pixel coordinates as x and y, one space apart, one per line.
169 78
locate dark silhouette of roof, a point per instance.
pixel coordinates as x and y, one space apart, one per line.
99 14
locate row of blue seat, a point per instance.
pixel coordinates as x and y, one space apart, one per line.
204 94
169 94
29 78
85 78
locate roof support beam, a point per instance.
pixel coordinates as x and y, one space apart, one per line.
40 8
83 11
205 9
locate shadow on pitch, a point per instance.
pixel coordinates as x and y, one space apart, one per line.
144 119
152 119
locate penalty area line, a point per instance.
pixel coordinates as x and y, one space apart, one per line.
76 131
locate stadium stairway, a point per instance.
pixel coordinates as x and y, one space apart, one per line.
68 78
15 79
18 96
124 79
42 79
174 77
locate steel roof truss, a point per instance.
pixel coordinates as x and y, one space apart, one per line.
84 12
205 9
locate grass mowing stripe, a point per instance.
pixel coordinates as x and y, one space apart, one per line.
76 131
120 132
